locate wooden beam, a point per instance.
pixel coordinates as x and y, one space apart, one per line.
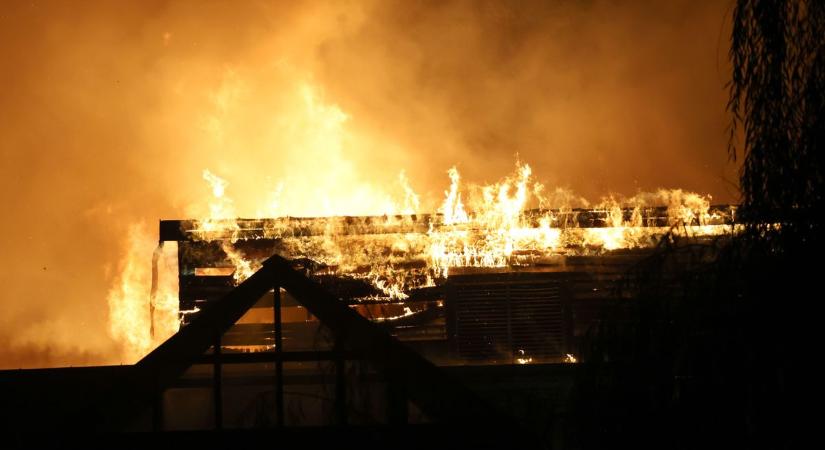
217 383
279 353
437 394
273 228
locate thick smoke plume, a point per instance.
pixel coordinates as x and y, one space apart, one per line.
110 112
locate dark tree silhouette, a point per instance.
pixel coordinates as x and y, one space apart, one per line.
715 344
777 103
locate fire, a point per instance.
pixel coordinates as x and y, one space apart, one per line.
504 226
412 203
513 222
142 313
453 210
496 227
223 218
522 357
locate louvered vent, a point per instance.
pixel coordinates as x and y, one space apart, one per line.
507 317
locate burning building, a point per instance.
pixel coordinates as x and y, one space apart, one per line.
367 320
509 294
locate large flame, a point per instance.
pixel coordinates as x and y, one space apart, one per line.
502 227
143 314
512 222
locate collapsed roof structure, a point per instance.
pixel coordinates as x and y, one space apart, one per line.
394 341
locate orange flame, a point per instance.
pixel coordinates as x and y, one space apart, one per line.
141 317
503 224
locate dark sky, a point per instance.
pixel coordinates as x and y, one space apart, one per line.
110 111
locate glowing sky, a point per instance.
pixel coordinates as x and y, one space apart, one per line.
110 112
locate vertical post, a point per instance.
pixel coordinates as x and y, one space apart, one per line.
340 383
568 324
449 300
279 352
157 407
397 410
509 303
217 391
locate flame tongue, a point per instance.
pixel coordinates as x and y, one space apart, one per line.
498 230
504 224
453 210
143 307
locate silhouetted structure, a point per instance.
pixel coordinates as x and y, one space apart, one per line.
88 402
702 344
282 350
777 99
718 347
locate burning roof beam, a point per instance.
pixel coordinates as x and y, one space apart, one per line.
189 230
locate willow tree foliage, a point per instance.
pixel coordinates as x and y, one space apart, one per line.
716 344
778 109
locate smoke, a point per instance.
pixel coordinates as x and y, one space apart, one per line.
110 113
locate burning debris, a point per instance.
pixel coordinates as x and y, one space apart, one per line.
509 224
399 252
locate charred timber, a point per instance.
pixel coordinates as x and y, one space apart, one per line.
295 227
